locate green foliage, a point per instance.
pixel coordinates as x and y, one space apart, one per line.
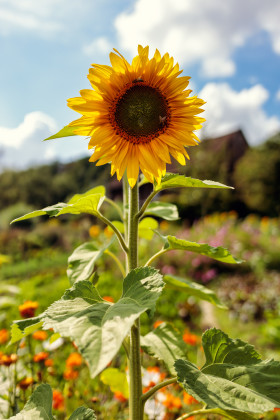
147 227
166 344
39 407
179 181
193 289
81 313
166 211
81 263
257 177
88 202
116 379
217 253
233 377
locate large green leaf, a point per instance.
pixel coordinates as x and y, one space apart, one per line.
83 413
85 204
233 377
25 327
165 343
220 348
116 379
164 210
177 181
64 132
193 289
39 405
225 393
217 253
82 262
100 189
232 415
97 327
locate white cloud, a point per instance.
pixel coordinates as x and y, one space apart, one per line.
277 95
227 110
22 146
99 45
199 31
42 17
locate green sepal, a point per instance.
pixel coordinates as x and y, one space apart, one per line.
66 131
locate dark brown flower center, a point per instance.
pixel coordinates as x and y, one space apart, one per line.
141 111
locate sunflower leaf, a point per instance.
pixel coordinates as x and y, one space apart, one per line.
82 262
39 405
24 327
83 413
64 132
193 289
220 348
164 210
80 203
233 377
97 327
217 253
116 380
165 343
177 181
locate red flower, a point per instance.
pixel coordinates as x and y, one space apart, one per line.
25 383
74 360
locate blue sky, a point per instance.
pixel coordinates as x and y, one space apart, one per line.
231 49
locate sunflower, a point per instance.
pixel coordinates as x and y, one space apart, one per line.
138 114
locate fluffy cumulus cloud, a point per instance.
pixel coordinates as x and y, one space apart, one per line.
227 110
22 146
199 31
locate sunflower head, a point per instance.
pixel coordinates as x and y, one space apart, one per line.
138 115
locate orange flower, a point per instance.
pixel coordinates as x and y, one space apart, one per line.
74 360
108 298
94 231
120 397
28 308
172 402
40 357
108 232
157 323
188 399
4 336
164 225
49 362
190 339
70 374
8 359
58 400
40 335
25 383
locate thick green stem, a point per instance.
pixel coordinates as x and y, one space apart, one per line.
135 403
